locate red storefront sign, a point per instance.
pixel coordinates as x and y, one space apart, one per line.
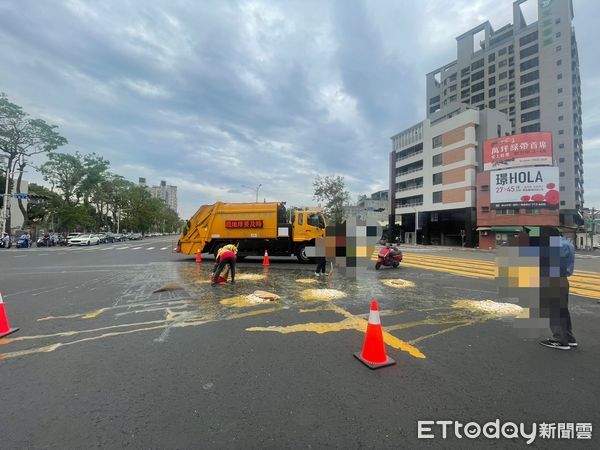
243 224
527 149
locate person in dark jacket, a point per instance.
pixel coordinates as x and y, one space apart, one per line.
555 268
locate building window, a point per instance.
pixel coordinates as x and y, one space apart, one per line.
559 62
503 99
562 203
485 187
435 99
437 178
507 212
477 98
532 102
561 160
452 99
464 83
491 57
436 141
530 90
477 87
502 51
559 76
557 21
561 131
477 64
561 145
465 93
533 115
560 104
531 76
534 212
558 48
485 209
477 76
561 174
562 189
492 69
503 75
437 197
529 51
465 71
502 87
492 80
436 160
528 39
533 128
558 34
533 62
492 105
560 117
502 63
492 92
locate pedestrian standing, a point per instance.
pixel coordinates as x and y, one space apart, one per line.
557 263
321 262
226 256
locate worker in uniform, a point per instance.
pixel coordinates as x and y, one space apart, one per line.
226 256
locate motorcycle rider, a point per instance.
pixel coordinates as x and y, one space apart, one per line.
5 240
393 251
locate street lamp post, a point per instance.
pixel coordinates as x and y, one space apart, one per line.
6 198
254 189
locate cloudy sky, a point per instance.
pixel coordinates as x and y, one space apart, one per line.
216 95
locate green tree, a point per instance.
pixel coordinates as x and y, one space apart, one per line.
332 191
66 173
22 137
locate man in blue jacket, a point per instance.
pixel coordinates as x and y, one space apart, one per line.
556 265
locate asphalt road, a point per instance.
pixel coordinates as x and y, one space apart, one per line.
102 361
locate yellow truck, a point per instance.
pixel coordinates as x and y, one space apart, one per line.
254 227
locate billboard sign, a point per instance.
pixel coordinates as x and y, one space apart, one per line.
527 149
526 187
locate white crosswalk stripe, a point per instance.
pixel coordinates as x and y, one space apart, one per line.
150 248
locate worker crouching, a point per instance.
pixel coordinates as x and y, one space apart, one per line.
226 256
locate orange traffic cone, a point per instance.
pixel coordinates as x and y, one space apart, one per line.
198 256
266 259
373 353
5 328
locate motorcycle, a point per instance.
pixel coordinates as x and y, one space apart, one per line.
5 244
45 241
23 242
388 257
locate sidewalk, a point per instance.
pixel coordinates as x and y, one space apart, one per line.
586 254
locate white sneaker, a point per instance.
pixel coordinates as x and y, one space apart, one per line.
317 274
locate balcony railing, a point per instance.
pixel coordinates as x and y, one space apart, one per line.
400 158
409 205
406 172
410 188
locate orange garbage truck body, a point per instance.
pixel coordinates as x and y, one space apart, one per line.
254 228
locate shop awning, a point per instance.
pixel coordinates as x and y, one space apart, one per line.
533 231
507 229
484 228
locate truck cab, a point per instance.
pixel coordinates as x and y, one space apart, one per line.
308 225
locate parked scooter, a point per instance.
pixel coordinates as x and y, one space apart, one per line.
5 241
23 242
388 257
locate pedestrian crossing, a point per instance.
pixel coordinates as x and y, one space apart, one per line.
583 283
21 253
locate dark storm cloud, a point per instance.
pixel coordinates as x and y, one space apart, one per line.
214 95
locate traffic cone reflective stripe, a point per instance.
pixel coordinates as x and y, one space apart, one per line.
198 256
5 328
373 353
266 259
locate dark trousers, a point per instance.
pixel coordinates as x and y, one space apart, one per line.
560 318
321 265
221 266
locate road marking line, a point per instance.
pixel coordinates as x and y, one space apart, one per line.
150 248
135 248
164 248
122 248
20 256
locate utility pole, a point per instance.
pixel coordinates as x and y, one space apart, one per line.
6 198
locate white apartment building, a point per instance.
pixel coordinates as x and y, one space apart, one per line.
433 167
166 193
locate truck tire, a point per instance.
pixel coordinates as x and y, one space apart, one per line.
301 254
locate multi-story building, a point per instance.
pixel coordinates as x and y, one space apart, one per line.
374 207
529 71
433 167
166 193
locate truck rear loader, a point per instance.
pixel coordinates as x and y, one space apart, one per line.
254 228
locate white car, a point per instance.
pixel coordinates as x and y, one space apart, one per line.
84 239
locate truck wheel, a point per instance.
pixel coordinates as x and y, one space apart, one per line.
301 254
